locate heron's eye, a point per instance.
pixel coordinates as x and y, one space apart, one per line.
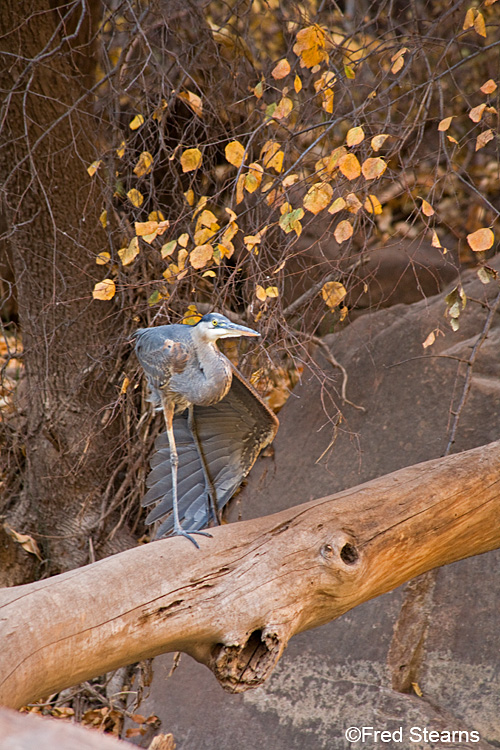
215 323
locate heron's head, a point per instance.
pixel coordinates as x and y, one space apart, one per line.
215 326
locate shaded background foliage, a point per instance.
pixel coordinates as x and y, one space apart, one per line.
101 103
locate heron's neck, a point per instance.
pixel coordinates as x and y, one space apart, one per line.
216 371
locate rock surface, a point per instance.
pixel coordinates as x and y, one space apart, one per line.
446 639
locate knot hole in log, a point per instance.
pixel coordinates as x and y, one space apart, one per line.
248 665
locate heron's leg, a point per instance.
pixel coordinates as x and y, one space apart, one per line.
208 479
168 411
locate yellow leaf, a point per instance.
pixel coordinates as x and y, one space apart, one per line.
189 196
193 101
200 256
281 70
136 122
121 149
103 218
272 156
481 240
297 84
373 205
235 153
484 138
469 19
128 254
427 208
445 124
183 239
352 202
355 136
333 292
239 189
343 231
209 273
103 258
477 112
207 219
479 25
435 242
272 292
318 197
144 164
429 340
254 177
145 227
259 90
156 216
373 167
260 293
283 109
104 289
398 64
489 87
125 385
310 46
378 141
400 52
226 249
181 258
452 140
135 197
337 205
191 159
92 169
350 166
168 248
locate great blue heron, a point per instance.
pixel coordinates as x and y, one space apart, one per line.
213 417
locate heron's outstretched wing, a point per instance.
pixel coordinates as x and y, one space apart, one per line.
231 433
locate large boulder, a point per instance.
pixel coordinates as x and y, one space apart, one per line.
438 635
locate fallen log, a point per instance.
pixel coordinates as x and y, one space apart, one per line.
235 603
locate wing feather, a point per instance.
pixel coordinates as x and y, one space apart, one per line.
232 433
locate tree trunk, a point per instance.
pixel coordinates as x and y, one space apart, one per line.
53 207
234 604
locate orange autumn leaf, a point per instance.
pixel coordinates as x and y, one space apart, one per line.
445 124
477 112
200 256
318 197
489 87
235 153
378 141
355 136
481 240
333 292
104 290
350 166
427 208
191 159
285 106
373 167
343 231
281 69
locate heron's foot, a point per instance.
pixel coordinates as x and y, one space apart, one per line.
179 531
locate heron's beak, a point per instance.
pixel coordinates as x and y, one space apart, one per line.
236 330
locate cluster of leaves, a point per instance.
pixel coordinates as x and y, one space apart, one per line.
311 153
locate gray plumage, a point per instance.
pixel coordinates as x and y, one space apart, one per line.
216 423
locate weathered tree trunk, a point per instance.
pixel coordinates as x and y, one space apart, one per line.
235 603
53 208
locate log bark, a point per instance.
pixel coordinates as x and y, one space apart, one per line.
234 604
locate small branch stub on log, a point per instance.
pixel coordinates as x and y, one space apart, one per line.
235 603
